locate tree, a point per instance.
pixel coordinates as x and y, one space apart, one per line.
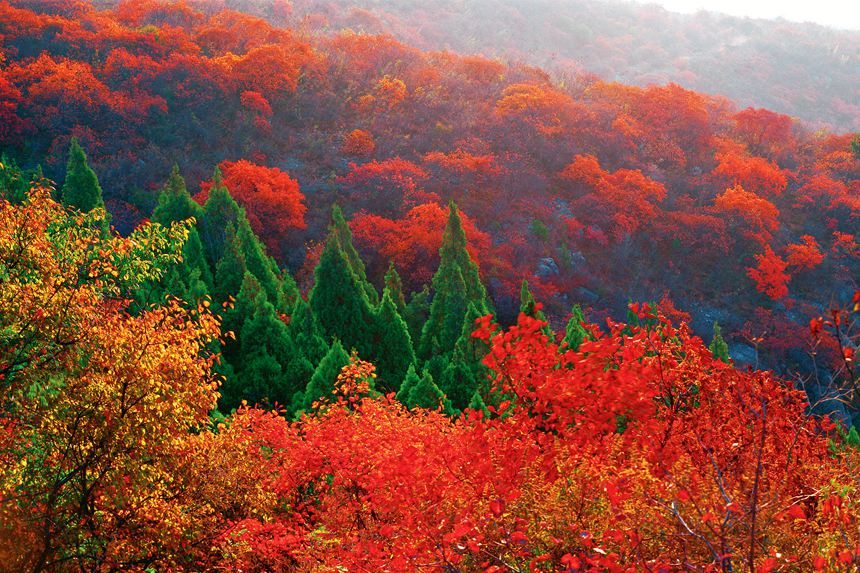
575 332
305 331
392 345
456 284
529 307
339 232
718 347
427 395
340 303
855 146
321 383
89 391
230 268
175 203
769 274
219 211
273 203
394 285
81 188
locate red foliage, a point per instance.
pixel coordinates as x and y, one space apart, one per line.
754 174
413 241
271 198
806 255
769 274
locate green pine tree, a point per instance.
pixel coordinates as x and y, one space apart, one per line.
175 203
81 188
394 285
575 333
410 381
259 264
393 351
465 373
719 348
230 268
322 382
219 212
305 330
416 313
456 284
528 306
340 232
339 302
426 394
477 403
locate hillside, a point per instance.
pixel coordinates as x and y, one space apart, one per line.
281 297
803 70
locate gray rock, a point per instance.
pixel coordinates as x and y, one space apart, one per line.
546 267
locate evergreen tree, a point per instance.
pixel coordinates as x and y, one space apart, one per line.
230 268
305 330
219 211
267 351
465 373
426 394
719 348
250 294
477 403
258 263
340 232
339 302
394 284
528 306
322 382
410 381
456 284
175 203
393 352
81 188
416 312
447 311
575 333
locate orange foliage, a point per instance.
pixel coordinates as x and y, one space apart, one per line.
358 142
758 215
754 174
769 274
806 255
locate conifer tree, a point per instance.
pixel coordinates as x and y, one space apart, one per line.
416 312
575 332
719 348
175 203
81 188
230 268
426 394
529 307
410 381
465 373
456 284
477 403
322 382
304 329
219 211
258 263
339 302
249 295
393 351
447 311
394 284
267 351
340 232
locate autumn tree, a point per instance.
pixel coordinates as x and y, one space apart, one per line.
90 390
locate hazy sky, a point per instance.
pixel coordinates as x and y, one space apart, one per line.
837 13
